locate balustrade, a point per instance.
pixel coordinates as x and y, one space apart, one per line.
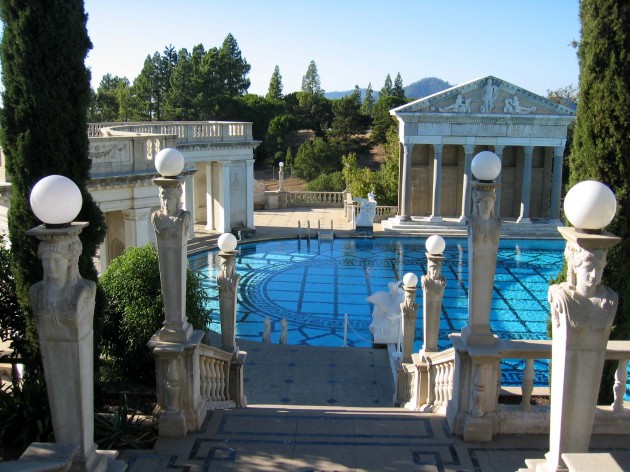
214 368
297 199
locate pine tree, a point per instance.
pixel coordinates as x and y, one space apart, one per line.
387 89
398 91
180 99
368 102
275 85
233 69
601 139
310 82
46 97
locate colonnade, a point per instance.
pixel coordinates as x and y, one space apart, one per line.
406 193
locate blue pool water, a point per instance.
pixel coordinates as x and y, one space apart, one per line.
314 285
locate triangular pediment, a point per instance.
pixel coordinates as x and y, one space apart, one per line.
486 96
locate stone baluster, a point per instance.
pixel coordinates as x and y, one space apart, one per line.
619 389
204 378
528 385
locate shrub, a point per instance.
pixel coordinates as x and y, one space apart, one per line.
135 312
327 183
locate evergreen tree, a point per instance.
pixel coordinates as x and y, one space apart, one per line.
146 88
368 102
46 97
275 86
601 139
356 96
398 91
310 82
180 99
387 89
233 69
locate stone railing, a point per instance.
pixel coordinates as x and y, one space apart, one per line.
534 419
385 212
329 199
440 368
186 132
214 368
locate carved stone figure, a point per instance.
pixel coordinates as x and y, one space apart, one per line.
582 302
433 285
512 105
171 219
484 225
367 212
409 309
488 96
284 331
386 321
461 105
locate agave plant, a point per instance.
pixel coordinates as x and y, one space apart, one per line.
123 429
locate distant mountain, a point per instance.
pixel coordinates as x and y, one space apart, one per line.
421 88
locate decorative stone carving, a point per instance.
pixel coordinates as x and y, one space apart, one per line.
386 321
409 309
63 308
433 285
512 105
367 212
484 225
489 96
284 331
582 311
461 105
227 282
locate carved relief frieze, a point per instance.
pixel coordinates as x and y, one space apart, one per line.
109 153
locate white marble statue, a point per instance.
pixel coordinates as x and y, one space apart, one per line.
461 105
367 211
386 316
488 96
512 105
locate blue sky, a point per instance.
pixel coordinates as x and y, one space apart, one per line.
526 42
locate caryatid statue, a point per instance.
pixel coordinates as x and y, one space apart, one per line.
433 285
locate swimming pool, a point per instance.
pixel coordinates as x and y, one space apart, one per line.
313 285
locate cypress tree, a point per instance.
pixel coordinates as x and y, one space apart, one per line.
601 140
44 123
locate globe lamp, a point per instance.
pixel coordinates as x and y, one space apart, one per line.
590 205
410 280
227 242
56 201
435 245
486 166
169 162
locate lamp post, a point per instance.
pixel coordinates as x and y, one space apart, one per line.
483 242
433 285
227 282
409 309
180 406
582 311
281 177
63 307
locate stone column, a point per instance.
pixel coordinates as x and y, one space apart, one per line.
63 308
181 408
582 312
250 194
209 198
437 183
527 183
468 155
556 184
405 200
136 222
189 202
409 309
433 285
498 150
224 224
483 242
227 282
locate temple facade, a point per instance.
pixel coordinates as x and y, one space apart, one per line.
440 134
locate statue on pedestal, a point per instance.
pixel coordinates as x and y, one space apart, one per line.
386 316
433 285
367 211
170 220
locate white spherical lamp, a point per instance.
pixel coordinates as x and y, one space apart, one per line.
281 164
410 280
56 200
169 162
486 166
227 242
435 245
590 205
